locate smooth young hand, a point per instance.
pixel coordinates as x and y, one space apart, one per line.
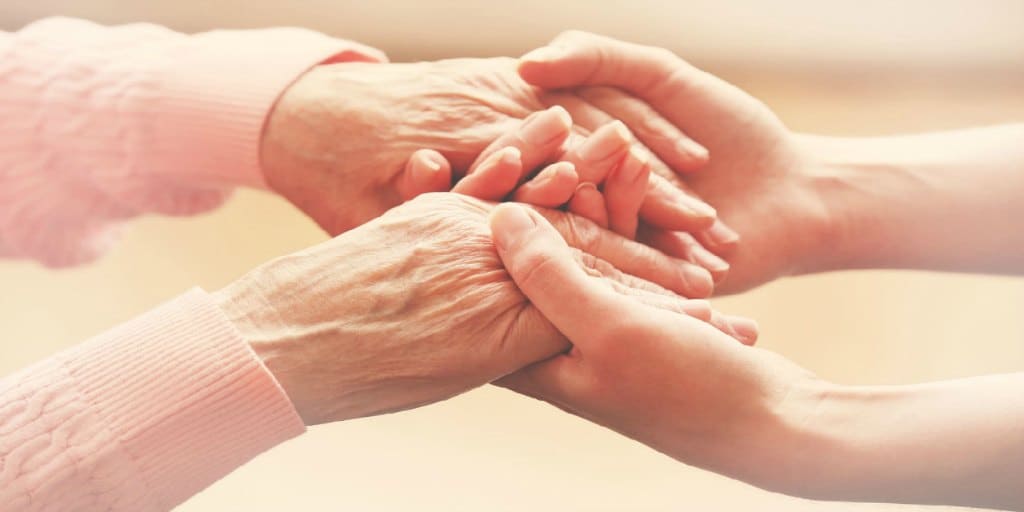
758 175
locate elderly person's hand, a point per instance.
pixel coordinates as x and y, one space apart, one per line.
415 307
337 141
760 176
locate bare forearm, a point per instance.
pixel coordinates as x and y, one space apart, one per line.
942 201
957 442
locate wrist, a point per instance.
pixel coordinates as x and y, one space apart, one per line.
790 447
859 190
332 125
264 311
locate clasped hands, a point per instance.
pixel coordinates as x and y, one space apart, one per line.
590 298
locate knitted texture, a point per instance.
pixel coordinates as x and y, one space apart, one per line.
102 124
141 417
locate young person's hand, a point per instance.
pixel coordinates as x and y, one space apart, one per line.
693 393
758 176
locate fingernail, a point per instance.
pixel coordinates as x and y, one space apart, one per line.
511 155
699 281
423 175
690 147
596 149
586 187
711 262
431 164
721 234
549 174
543 127
508 156
700 208
544 54
744 327
635 164
510 222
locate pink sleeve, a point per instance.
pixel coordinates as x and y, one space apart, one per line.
139 418
101 124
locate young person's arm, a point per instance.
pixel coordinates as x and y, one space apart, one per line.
695 394
940 201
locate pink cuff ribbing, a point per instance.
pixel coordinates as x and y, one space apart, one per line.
184 395
220 87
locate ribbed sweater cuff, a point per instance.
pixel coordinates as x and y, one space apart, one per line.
220 86
184 394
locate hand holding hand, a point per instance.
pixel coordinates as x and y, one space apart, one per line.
602 177
415 307
664 379
337 141
759 176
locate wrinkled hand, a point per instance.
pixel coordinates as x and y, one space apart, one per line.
659 377
757 176
415 307
337 141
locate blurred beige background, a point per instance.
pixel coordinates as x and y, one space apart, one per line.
864 67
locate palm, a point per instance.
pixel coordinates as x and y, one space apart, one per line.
750 181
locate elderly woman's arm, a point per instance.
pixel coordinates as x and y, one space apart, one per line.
140 417
102 124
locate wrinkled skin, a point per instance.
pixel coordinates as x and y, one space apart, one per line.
415 307
349 129
337 141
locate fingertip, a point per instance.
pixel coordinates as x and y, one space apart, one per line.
747 329
495 177
719 237
533 65
562 115
510 223
670 208
426 171
699 309
697 281
553 187
718 267
589 203
690 156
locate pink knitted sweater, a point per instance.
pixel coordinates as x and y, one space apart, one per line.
101 124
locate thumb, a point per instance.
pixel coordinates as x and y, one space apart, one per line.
576 59
426 171
541 264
